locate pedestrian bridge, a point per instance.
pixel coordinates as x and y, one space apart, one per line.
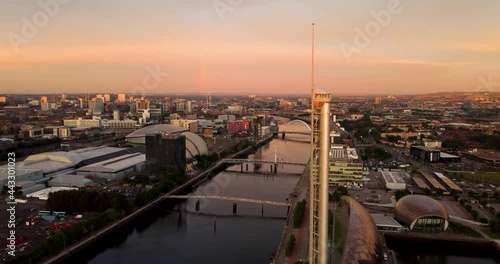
228 198
239 161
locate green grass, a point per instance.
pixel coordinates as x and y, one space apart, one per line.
338 235
478 176
492 234
457 228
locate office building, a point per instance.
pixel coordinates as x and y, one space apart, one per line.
346 167
121 98
165 153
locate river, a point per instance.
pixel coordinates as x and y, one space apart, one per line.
167 236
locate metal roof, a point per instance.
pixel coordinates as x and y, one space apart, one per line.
412 207
362 238
448 182
385 220
115 164
420 183
156 128
433 181
392 177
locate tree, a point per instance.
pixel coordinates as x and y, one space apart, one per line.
400 194
290 245
474 214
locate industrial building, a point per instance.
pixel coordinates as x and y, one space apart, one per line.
421 213
424 154
346 167
36 170
44 194
115 167
394 180
165 153
69 180
432 155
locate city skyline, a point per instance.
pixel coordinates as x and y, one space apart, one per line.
261 47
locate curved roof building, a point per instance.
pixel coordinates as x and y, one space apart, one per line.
362 244
421 213
195 145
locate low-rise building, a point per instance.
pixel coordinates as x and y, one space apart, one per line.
393 180
82 122
346 167
191 125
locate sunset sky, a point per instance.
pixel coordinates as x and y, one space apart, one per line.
256 46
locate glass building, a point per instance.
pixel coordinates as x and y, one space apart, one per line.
421 213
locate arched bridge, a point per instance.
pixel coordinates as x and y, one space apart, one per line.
287 129
228 198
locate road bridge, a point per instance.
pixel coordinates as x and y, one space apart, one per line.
228 198
239 161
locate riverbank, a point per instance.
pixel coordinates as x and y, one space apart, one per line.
301 234
203 176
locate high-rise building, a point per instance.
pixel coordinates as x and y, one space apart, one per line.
64 96
3 99
99 96
189 107
116 114
378 100
121 97
141 105
96 106
45 106
165 153
44 99
107 98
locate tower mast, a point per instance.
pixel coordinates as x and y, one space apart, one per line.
319 170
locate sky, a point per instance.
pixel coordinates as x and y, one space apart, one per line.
249 46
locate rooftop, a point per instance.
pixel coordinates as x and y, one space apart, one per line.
385 220
392 177
343 153
156 128
115 164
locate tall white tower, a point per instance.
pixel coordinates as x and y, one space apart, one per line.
320 144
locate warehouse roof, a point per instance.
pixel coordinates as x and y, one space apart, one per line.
115 164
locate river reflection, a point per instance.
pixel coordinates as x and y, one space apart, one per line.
214 234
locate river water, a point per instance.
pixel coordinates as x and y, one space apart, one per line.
214 234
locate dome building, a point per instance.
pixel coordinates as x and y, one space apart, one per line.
195 145
421 213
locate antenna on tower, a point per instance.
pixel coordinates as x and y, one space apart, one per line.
312 60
